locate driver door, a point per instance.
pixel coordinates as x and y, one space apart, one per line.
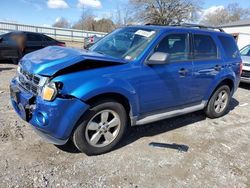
168 86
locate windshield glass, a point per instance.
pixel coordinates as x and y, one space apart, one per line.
245 51
126 43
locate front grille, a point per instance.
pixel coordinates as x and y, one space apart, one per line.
28 81
245 74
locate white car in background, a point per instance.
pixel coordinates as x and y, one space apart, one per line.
245 55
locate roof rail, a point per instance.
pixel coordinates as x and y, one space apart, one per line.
192 26
200 26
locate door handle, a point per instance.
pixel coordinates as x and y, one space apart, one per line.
183 71
217 67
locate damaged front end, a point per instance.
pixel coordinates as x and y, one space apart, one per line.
52 115
36 95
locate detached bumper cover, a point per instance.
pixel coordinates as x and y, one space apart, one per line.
53 120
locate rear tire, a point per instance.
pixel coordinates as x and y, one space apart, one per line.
218 104
101 128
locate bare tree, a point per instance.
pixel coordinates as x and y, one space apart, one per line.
104 25
165 12
123 15
233 12
62 22
86 21
89 23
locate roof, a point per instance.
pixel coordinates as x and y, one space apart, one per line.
244 22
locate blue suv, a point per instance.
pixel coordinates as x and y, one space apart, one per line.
133 76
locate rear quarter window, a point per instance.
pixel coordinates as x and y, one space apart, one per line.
230 47
48 39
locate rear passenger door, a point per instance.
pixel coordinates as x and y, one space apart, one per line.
34 42
207 63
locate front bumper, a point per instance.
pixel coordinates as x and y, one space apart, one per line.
245 76
245 80
54 120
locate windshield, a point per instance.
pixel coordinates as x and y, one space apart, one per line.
126 43
245 51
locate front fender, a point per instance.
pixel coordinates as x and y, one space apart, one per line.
90 88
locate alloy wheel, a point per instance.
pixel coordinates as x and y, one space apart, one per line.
103 128
221 101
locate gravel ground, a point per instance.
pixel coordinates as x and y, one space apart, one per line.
217 152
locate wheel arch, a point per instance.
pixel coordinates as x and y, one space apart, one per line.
129 103
225 81
228 82
114 96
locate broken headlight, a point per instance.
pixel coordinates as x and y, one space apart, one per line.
49 91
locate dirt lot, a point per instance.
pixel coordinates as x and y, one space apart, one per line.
218 152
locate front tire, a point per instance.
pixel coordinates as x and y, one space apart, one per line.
101 128
218 104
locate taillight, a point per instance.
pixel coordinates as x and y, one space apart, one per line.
241 67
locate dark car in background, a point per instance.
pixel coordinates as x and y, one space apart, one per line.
15 44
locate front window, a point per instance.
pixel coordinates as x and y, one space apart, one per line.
176 45
126 43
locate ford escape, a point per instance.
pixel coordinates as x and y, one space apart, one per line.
133 76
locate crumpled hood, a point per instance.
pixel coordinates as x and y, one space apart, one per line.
50 60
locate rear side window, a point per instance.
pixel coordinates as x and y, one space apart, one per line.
204 48
46 38
229 46
176 45
34 37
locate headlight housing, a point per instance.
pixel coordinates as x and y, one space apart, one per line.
49 91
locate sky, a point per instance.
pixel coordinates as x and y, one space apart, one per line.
46 12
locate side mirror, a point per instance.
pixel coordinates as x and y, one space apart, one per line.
158 58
